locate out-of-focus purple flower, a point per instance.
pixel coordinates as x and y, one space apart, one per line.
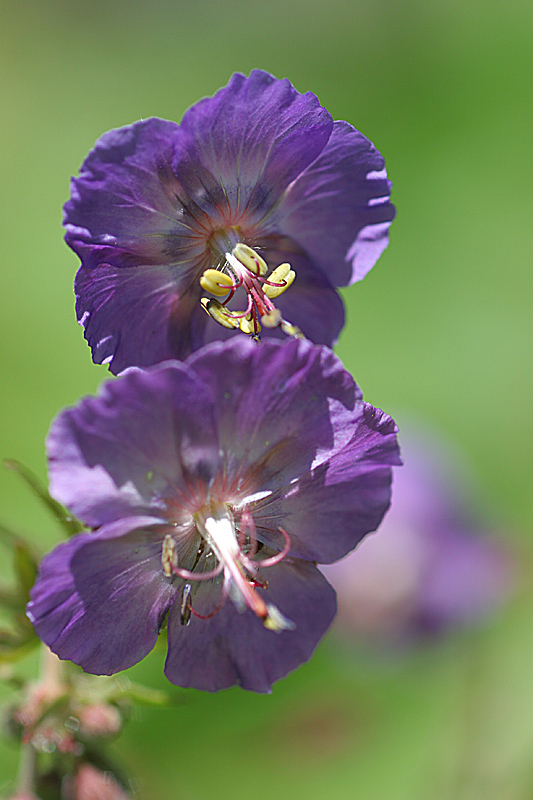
256 184
429 567
214 486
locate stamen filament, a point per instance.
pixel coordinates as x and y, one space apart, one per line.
198 576
269 562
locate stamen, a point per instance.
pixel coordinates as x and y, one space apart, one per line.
216 525
272 319
220 314
185 609
216 282
198 576
291 330
250 259
247 523
269 562
214 612
247 269
276 621
169 555
249 325
280 280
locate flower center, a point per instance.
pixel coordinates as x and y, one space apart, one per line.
234 552
244 268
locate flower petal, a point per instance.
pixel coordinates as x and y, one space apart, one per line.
232 648
331 508
124 209
311 303
136 316
253 138
338 209
145 437
281 407
100 598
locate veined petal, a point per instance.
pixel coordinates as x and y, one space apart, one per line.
146 437
311 303
124 206
252 139
338 209
236 649
281 407
136 316
100 598
331 508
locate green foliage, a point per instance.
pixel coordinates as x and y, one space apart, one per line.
68 522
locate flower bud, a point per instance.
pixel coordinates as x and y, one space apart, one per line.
98 720
89 783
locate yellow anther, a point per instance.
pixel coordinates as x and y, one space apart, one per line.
272 319
247 325
276 621
169 555
216 282
282 274
217 312
291 330
250 259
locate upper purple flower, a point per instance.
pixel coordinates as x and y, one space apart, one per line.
214 486
256 185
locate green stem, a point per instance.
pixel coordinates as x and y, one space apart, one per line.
26 771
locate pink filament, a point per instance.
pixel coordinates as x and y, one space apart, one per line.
269 562
202 576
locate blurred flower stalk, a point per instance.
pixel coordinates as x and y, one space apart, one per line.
64 718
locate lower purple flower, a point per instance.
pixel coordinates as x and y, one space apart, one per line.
214 486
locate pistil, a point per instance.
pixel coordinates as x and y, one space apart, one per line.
216 526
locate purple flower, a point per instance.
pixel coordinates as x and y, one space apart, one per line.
430 567
214 486
257 185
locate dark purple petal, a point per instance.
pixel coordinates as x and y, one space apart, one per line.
123 209
281 407
311 303
331 508
100 598
145 437
136 316
236 649
248 142
338 209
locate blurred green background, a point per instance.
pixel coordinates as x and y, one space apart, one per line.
440 329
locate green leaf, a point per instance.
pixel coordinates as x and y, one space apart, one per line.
70 524
142 695
11 599
16 645
25 567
